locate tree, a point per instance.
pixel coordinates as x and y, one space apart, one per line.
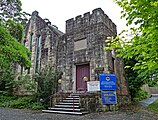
11 35
143 44
11 9
140 43
11 51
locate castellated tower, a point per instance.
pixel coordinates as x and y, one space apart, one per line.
81 51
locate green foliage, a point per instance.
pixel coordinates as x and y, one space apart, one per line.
139 43
8 83
27 83
133 80
153 107
140 95
46 83
11 9
37 106
153 83
11 34
21 102
11 51
15 30
143 43
5 100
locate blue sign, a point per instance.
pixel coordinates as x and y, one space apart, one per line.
108 97
107 81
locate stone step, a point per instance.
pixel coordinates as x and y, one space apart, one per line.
69 103
67 109
70 100
64 112
67 106
74 96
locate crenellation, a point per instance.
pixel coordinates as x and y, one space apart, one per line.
88 19
110 25
69 25
86 15
78 21
114 29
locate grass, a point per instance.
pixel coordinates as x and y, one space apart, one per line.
153 107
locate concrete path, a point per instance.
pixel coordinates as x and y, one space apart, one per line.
149 101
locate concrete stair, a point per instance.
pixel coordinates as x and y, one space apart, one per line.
69 105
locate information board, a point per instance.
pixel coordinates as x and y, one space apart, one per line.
107 81
93 86
109 97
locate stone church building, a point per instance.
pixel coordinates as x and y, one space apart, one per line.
77 53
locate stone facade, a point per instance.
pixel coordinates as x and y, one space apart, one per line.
42 39
82 44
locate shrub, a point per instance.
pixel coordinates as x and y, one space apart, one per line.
26 102
29 102
46 83
5 100
23 102
140 95
36 106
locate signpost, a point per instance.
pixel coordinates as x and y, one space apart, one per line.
108 89
108 97
107 82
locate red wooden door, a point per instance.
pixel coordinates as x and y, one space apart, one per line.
82 71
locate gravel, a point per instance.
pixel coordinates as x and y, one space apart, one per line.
22 114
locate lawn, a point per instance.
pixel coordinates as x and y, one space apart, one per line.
153 107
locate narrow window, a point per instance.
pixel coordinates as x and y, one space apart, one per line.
113 64
28 71
38 45
24 43
46 56
31 41
21 71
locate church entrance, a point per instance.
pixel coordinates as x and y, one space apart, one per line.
82 75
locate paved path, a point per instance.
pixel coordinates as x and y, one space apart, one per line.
149 101
16 114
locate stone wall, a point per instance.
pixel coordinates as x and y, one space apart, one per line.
84 42
38 28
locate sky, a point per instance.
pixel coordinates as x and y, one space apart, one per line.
58 11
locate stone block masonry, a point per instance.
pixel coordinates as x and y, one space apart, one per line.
77 53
